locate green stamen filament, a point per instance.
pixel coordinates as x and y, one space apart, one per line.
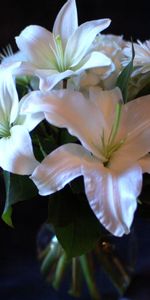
115 126
59 53
109 147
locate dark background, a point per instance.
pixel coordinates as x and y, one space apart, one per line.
129 18
20 277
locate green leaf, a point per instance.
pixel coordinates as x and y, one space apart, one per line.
75 224
44 139
59 208
124 77
18 188
66 137
6 216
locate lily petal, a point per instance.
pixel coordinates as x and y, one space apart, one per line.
113 196
135 128
29 120
16 153
13 58
105 102
139 109
49 78
8 97
34 42
81 40
59 168
11 67
94 59
21 69
71 110
66 22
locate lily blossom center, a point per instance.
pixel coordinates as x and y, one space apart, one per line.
59 53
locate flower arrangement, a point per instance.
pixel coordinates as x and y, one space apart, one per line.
75 126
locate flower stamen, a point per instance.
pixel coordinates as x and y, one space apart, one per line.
109 147
58 53
116 123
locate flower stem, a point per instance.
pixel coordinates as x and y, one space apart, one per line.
60 271
65 83
49 260
76 278
113 266
90 280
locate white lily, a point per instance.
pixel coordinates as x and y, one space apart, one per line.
8 57
16 152
115 140
64 52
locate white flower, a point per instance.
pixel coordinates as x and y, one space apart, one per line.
63 53
104 77
16 152
112 46
115 141
6 52
142 56
8 57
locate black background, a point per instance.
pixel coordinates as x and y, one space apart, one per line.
129 18
19 270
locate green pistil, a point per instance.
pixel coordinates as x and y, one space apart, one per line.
59 54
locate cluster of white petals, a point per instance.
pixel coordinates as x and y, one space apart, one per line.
109 159
16 152
64 52
112 46
112 151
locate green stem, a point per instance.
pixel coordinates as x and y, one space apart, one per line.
60 270
65 83
76 278
42 253
44 129
88 275
50 259
41 148
113 266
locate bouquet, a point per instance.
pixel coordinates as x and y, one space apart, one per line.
75 127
